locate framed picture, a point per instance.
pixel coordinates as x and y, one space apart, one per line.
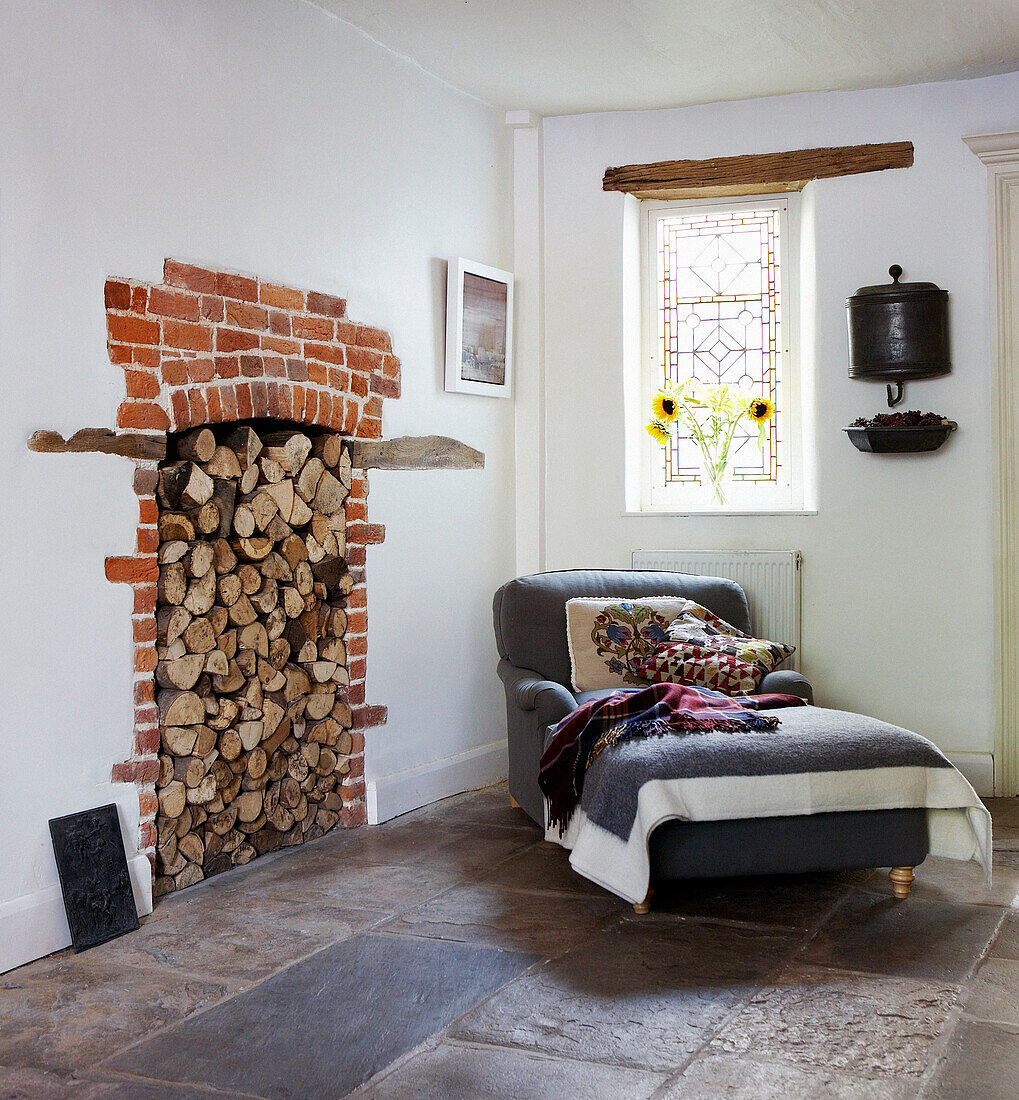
479 329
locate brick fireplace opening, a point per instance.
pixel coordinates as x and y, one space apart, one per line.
251 659
243 400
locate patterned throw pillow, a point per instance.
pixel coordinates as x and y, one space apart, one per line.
683 663
610 638
695 622
704 650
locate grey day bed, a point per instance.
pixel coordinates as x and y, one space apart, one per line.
530 630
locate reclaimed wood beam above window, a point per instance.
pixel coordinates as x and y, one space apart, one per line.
753 174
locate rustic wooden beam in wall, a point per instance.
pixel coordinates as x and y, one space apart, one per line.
128 444
428 452
757 173
425 452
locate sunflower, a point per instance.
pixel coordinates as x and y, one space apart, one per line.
760 409
659 431
665 407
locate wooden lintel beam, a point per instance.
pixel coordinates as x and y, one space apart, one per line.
424 452
763 171
429 452
104 440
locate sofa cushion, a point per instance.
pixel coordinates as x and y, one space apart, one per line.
706 651
610 639
698 625
687 663
695 623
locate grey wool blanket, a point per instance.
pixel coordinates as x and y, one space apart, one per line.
817 761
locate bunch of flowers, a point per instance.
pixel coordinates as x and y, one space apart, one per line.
710 415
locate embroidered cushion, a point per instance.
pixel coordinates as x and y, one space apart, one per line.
610 638
704 650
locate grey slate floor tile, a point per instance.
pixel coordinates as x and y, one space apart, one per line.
544 867
327 1024
932 941
455 1072
486 912
132 1089
69 1011
243 942
729 1077
322 881
1006 946
863 1025
994 992
488 808
19 1083
491 809
631 995
982 1063
458 847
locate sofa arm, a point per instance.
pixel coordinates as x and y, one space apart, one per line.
530 692
787 681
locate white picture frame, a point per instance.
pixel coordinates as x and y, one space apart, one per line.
479 329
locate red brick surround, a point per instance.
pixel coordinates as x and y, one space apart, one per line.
206 347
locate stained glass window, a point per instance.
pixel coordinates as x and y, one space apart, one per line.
719 319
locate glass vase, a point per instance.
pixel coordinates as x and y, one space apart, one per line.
717 482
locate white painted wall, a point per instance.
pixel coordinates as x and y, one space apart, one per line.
266 136
898 560
529 298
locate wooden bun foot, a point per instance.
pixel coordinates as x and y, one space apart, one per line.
642 907
902 880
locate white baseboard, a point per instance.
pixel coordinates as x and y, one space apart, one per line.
978 768
389 796
36 925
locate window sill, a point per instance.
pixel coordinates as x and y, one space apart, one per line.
723 513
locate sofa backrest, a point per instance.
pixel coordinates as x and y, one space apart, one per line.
530 612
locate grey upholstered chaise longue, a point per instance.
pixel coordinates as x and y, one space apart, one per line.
530 630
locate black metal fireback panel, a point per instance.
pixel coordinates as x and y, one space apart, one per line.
94 878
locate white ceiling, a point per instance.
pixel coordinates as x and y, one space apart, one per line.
569 56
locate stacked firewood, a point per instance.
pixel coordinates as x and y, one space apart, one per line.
250 626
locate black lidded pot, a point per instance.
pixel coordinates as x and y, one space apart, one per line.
898 331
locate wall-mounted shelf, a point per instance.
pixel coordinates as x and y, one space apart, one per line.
900 439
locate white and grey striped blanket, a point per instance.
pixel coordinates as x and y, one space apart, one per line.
817 761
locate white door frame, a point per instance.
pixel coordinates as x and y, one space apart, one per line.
1000 152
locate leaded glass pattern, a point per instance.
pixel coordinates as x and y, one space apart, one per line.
719 320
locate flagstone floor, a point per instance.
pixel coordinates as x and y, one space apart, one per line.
453 954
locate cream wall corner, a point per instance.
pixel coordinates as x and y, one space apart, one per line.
900 554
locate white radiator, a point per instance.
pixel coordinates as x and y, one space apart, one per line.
770 578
